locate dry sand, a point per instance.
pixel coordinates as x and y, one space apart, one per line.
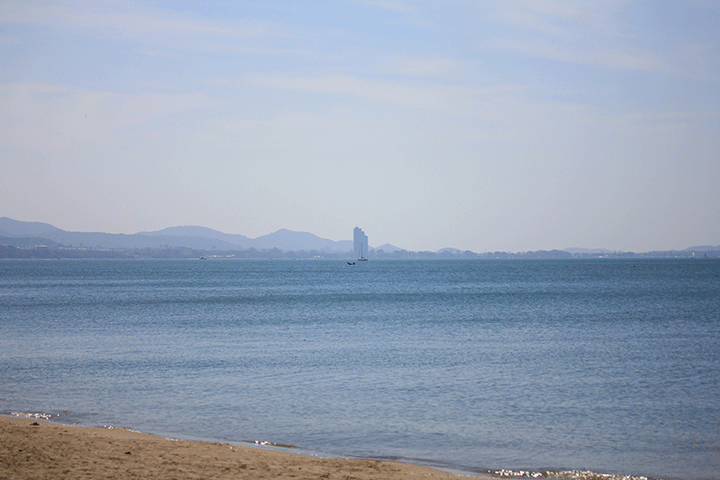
31 448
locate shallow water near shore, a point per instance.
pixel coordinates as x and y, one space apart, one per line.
611 366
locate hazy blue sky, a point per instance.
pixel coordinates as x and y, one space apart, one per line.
488 125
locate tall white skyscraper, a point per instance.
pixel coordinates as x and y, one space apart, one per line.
360 242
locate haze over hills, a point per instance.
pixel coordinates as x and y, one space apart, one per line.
10 227
184 236
21 234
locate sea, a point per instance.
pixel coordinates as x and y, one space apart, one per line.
575 368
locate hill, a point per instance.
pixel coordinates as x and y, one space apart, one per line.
193 237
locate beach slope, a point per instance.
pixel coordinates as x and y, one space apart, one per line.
31 448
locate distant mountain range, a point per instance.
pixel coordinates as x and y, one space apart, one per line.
189 237
19 234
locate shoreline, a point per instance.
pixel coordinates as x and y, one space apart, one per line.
36 448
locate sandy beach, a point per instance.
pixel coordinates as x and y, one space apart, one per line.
31 448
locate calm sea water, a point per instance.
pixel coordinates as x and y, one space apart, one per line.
611 366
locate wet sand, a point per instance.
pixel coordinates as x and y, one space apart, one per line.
31 448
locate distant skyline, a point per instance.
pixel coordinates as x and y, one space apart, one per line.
510 126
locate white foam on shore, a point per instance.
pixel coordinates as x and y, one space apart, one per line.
565 474
43 416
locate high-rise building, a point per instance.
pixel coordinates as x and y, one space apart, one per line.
360 242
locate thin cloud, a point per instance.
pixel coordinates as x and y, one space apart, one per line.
606 58
138 22
64 16
627 61
429 67
439 98
337 84
575 32
388 5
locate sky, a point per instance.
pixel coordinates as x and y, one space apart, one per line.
491 125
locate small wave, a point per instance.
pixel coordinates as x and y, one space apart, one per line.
111 427
44 416
566 474
272 444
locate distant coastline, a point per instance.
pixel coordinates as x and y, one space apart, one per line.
35 240
61 252
38 248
